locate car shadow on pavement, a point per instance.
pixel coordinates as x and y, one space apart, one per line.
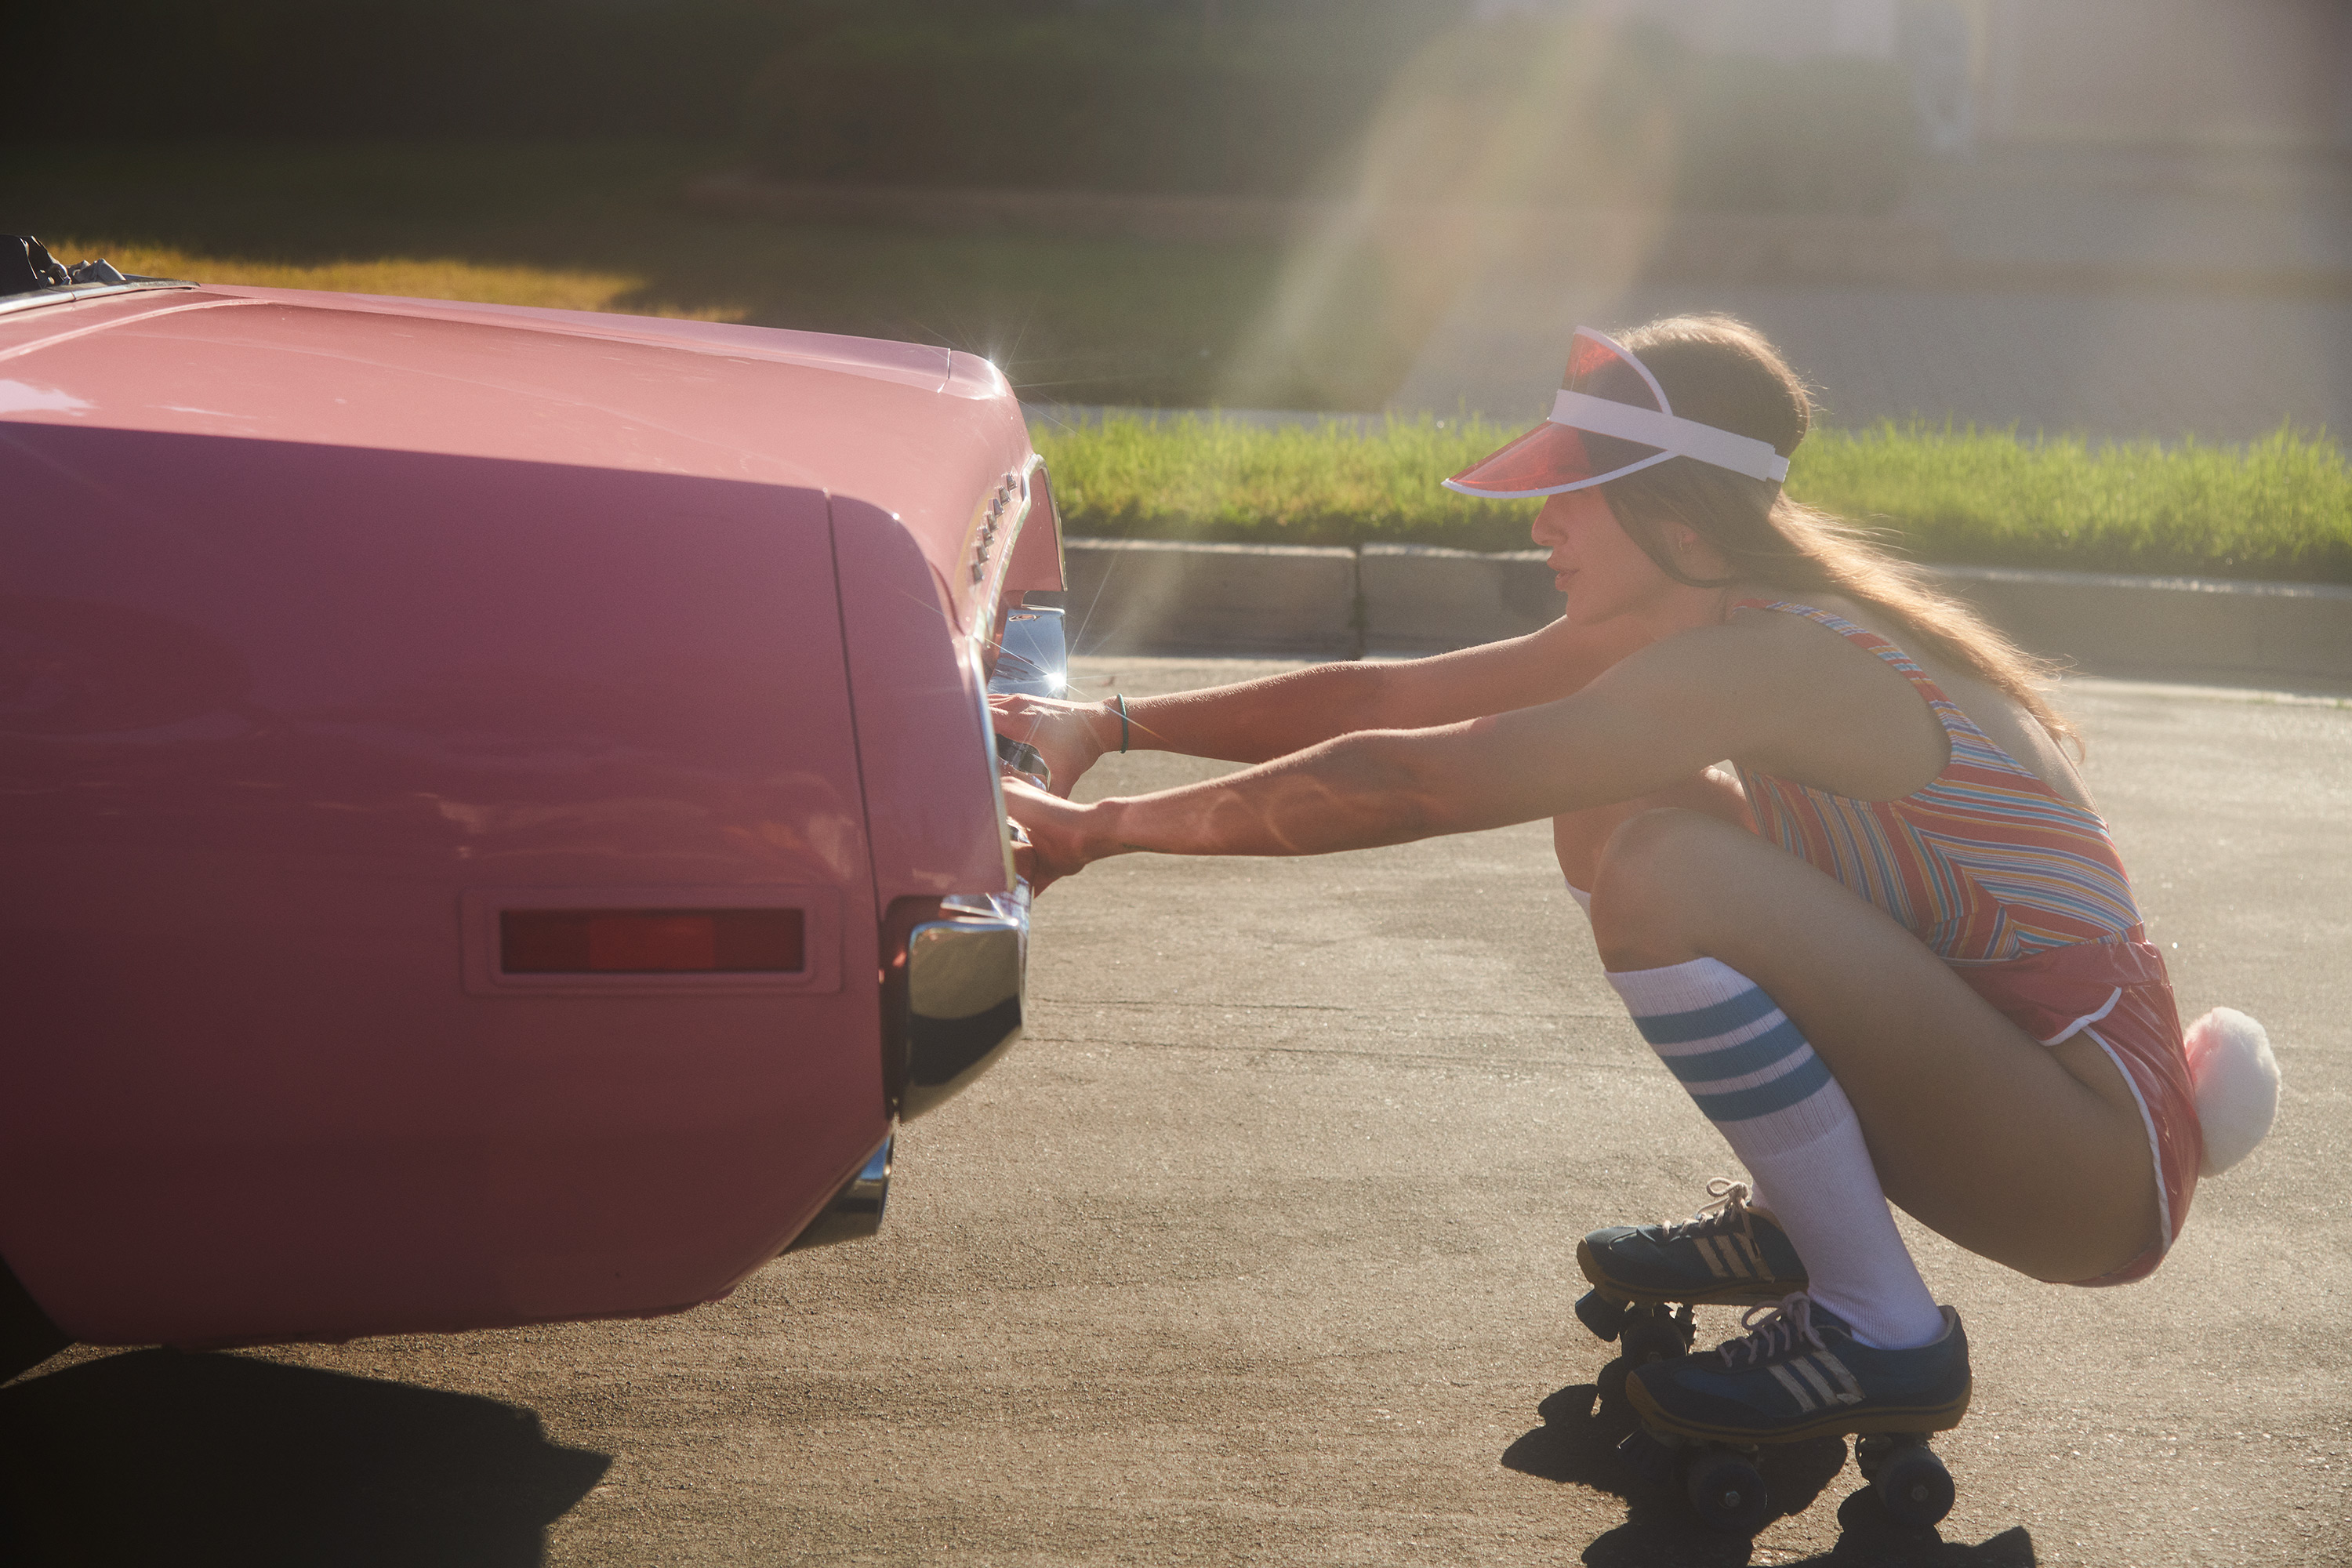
159 1457
1577 1443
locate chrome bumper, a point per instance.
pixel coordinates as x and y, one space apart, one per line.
965 975
965 971
963 993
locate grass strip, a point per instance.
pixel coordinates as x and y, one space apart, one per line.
419 278
603 227
2279 509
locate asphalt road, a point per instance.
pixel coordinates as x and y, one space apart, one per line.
1260 1249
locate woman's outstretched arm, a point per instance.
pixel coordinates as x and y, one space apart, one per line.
1258 721
1658 718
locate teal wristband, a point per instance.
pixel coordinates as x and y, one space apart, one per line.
1119 704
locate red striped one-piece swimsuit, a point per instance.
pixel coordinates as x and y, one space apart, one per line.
2019 890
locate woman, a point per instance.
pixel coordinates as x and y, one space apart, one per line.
1920 976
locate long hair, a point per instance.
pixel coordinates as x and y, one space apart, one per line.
1720 370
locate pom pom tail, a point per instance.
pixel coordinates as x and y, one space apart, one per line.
2236 1080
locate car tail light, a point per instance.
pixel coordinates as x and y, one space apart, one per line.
652 941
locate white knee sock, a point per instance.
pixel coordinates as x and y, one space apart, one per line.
1775 1102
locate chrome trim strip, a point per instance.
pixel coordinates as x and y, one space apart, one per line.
71 292
1037 484
979 678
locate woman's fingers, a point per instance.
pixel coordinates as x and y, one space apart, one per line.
1061 732
1025 866
1021 716
1056 846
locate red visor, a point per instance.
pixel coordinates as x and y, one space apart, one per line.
1611 419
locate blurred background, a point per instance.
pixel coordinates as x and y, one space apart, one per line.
2120 218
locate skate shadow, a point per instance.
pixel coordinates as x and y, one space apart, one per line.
1868 1539
1577 1445
157 1457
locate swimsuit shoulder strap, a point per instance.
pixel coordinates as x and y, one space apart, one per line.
1863 637
1968 738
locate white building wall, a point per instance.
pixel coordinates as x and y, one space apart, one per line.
1779 29
2196 73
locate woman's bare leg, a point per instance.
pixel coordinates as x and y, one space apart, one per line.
2038 1163
1580 837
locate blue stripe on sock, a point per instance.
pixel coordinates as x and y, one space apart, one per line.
1775 1044
1798 1083
1703 1023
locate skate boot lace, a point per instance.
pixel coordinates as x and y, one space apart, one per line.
1729 1208
1774 1330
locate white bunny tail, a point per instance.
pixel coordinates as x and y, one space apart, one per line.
2237 1080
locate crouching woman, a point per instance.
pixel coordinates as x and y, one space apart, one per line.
1901 961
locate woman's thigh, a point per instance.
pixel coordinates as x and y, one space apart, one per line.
1580 837
1976 1129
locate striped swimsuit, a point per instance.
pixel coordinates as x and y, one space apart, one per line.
2019 890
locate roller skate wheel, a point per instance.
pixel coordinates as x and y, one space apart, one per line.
1914 1486
1601 1315
1650 1334
1872 1450
1727 1493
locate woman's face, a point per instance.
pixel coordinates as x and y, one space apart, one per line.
1594 560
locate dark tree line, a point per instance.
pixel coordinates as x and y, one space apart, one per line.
570 68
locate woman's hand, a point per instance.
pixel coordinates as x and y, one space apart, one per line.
1067 734
1057 835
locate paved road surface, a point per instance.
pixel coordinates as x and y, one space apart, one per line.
1260 1250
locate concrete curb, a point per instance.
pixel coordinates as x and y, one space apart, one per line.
1133 594
1419 597
2168 625
1139 595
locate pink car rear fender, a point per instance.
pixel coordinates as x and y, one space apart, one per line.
277 711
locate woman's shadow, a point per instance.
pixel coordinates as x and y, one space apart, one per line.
156 1456
1582 1425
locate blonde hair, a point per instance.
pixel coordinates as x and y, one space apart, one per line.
1722 372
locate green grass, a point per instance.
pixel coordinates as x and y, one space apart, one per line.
2278 509
606 227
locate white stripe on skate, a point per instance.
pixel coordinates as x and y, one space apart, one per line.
1812 1376
1848 1391
1706 1251
1805 1401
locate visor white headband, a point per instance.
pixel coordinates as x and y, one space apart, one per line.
1673 435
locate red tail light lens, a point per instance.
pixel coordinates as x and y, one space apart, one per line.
652 941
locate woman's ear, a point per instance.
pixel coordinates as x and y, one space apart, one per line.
1693 555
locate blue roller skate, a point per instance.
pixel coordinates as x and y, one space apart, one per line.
1727 1254
1797 1374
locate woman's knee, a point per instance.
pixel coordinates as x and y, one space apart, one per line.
1580 837
1649 868
1653 848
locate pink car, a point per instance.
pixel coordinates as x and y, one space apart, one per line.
500 816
